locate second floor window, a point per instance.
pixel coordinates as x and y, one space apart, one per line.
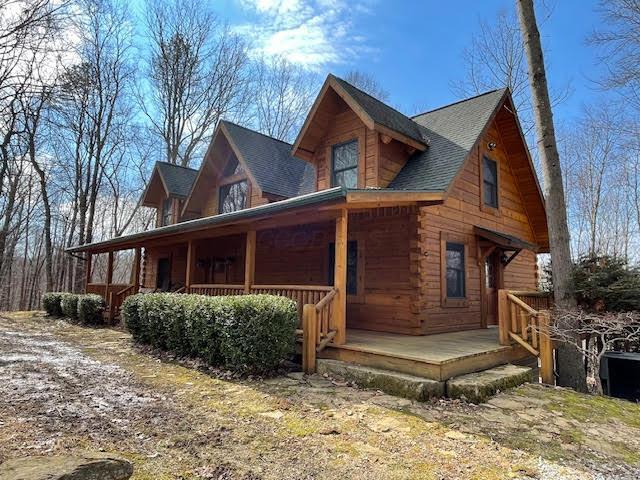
166 212
490 182
344 165
233 197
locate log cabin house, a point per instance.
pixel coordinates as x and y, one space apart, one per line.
403 240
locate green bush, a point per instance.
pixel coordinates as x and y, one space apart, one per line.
131 317
51 303
69 304
257 331
90 309
606 283
246 333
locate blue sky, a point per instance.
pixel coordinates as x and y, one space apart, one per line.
414 48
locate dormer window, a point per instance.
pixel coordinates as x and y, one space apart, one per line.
166 212
233 197
344 165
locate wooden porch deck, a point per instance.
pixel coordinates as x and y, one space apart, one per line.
439 357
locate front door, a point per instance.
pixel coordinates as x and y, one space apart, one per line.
163 280
492 264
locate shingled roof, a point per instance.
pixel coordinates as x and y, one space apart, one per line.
178 180
452 130
383 114
270 161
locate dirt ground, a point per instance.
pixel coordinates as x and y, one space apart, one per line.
65 388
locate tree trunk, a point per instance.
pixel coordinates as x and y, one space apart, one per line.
569 361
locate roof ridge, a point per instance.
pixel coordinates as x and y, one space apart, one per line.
256 131
176 165
457 102
371 96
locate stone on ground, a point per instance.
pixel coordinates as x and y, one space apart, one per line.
393 383
90 467
478 387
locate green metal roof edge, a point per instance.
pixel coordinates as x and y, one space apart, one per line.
275 207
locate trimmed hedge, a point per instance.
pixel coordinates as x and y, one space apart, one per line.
90 309
87 309
248 333
51 303
69 304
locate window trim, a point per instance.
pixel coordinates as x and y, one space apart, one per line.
485 207
357 164
445 301
230 186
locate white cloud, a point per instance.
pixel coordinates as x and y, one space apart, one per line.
311 33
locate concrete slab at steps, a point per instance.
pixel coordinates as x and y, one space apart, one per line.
393 383
478 387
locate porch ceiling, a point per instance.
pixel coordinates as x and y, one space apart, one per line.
311 208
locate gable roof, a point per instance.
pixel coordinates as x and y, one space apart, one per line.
168 180
383 114
177 179
452 130
270 162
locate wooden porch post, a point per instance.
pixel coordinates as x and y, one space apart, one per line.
109 298
546 349
504 321
340 278
87 279
190 262
309 340
136 269
250 261
109 280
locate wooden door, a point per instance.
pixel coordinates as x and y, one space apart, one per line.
163 281
492 281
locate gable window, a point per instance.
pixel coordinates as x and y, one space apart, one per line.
344 164
352 266
166 212
232 167
233 197
490 182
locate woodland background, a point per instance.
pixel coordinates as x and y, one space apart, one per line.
85 112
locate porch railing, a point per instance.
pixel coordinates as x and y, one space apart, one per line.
216 290
519 321
315 303
317 329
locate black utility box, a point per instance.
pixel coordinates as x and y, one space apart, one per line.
620 375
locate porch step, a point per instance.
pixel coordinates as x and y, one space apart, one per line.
393 383
473 387
478 387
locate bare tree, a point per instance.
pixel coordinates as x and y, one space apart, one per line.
284 95
496 59
367 83
92 110
197 72
592 160
620 43
593 334
571 372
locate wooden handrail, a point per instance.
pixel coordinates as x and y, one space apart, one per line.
315 288
123 291
519 302
216 285
528 327
317 328
326 299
